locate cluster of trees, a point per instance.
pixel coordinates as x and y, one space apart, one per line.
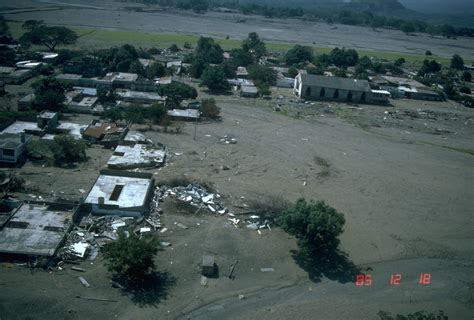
49 95
38 33
63 150
339 57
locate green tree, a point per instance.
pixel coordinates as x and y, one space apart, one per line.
215 79
131 257
197 67
174 48
176 92
7 56
67 150
399 62
156 112
209 51
299 54
466 76
315 225
292 72
209 109
465 89
240 57
135 114
428 53
49 36
344 57
5 35
155 70
49 95
457 62
113 114
137 67
30 25
106 96
262 75
254 45
429 67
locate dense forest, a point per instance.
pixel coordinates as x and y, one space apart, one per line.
390 14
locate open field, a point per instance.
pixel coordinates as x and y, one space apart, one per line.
406 190
163 28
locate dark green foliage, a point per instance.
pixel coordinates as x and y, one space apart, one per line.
135 114
408 27
419 315
5 35
118 59
343 57
187 45
209 109
49 36
241 57
466 76
137 67
229 69
292 72
341 73
198 6
32 24
131 257
7 116
174 48
299 54
177 92
156 112
465 89
7 56
428 53
49 95
63 150
262 75
215 79
429 67
264 89
399 62
315 70
254 45
197 67
315 225
106 96
155 70
457 62
209 51
113 114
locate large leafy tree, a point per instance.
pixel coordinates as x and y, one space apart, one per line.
176 92
215 79
299 54
457 62
209 51
262 75
49 95
254 45
240 57
315 225
5 35
49 36
131 258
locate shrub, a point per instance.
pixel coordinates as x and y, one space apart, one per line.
209 108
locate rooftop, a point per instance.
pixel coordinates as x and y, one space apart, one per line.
249 89
135 136
403 81
74 129
21 126
139 155
10 140
98 129
123 191
124 76
129 94
335 82
186 113
47 114
35 229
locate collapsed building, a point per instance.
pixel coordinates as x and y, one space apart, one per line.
136 156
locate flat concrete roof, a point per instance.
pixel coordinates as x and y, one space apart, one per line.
186 113
133 193
35 229
21 126
139 95
47 114
74 129
139 155
135 136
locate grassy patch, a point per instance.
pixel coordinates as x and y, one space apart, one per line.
99 38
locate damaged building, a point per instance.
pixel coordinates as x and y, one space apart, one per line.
120 193
36 228
136 156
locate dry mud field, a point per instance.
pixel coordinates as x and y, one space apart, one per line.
113 15
405 187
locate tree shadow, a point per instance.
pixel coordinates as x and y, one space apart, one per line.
148 291
334 265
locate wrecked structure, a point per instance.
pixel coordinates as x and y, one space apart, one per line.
13 146
136 156
120 193
104 133
36 228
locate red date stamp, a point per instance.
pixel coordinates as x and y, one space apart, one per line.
394 280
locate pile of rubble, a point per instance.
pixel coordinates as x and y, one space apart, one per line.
194 194
227 139
253 222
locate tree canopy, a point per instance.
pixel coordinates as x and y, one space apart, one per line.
457 62
177 92
209 51
209 108
299 54
49 95
254 45
315 225
262 75
215 79
49 36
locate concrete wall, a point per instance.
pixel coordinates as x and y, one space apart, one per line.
314 93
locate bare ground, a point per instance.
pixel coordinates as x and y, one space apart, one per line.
406 194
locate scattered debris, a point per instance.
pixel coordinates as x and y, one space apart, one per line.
84 282
78 269
241 297
232 268
96 299
227 139
267 269
204 281
165 244
182 226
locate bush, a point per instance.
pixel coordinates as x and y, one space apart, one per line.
215 79
132 257
63 150
457 62
315 225
209 109
466 76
